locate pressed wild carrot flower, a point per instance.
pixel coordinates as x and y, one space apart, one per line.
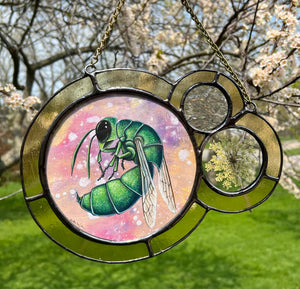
235 159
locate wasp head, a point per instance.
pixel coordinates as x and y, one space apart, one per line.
106 131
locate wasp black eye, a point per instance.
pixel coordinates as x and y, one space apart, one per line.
103 131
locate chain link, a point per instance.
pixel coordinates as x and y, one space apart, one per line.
215 48
106 35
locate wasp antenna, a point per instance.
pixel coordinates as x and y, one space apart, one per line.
88 157
77 149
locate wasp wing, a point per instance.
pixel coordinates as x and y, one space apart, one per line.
149 194
165 186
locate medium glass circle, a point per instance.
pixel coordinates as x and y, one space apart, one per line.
232 160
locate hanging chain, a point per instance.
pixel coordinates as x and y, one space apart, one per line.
199 25
215 48
106 35
10 195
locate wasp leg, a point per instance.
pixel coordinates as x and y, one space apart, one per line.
99 159
103 173
114 151
122 164
115 168
115 162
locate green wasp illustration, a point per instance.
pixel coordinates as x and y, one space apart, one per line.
133 141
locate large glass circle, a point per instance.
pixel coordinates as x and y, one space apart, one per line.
94 182
205 107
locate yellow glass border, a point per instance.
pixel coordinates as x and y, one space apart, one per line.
235 204
189 80
135 79
271 142
84 247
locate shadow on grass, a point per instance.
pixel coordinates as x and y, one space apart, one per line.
281 220
282 212
219 259
188 266
13 208
30 260
35 262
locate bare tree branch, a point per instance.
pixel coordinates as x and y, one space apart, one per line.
177 63
31 22
233 18
48 42
13 50
62 55
280 102
277 90
245 52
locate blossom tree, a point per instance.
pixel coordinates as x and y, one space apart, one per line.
46 44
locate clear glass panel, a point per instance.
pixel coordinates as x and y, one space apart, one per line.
232 160
205 107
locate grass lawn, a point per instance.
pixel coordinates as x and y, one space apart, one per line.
248 250
293 152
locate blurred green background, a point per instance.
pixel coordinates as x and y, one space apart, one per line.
247 250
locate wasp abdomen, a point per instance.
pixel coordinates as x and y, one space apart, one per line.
115 196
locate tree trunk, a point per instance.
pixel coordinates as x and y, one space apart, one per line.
12 157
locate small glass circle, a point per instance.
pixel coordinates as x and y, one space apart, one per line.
205 107
232 160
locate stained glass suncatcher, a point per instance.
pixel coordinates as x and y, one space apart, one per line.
120 165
